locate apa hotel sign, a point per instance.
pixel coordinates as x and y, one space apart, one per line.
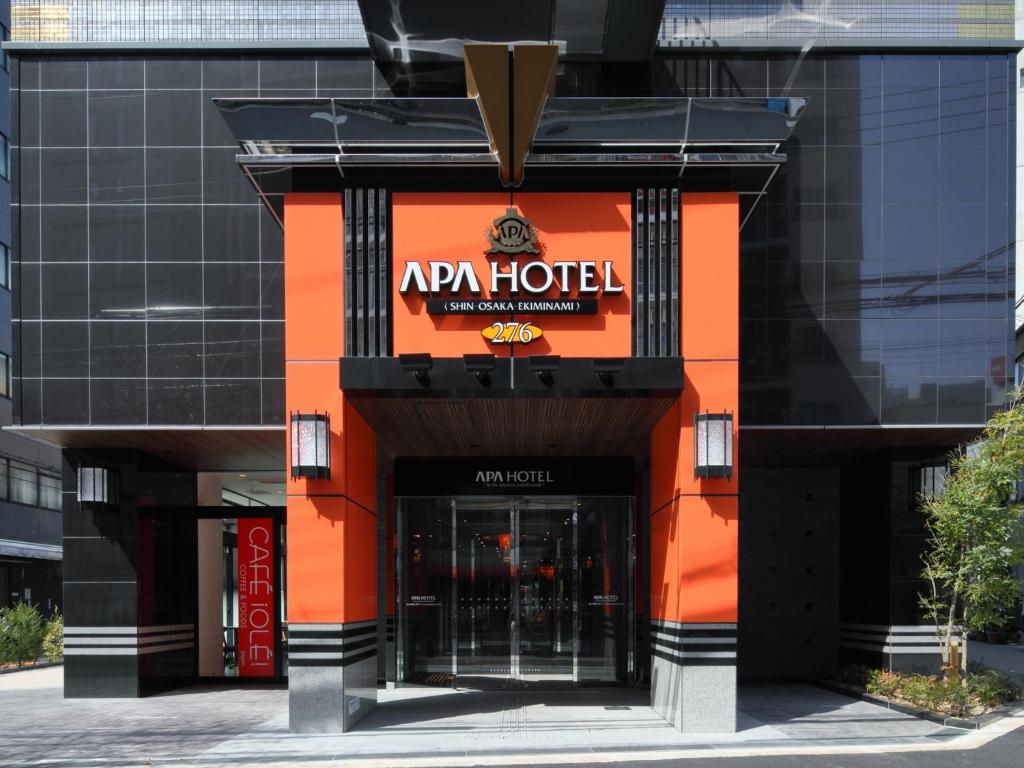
483 272
515 286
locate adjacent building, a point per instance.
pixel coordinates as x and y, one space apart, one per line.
30 502
614 350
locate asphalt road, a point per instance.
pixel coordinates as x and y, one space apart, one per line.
1005 752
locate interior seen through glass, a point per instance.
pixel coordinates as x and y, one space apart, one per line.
531 590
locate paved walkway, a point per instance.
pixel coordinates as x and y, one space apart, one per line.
228 726
1007 658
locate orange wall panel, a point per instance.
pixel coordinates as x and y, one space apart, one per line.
331 540
694 538
360 581
664 563
360 465
313 277
316 544
665 459
709 244
708 558
571 227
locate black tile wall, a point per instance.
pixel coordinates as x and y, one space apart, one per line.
877 271
128 190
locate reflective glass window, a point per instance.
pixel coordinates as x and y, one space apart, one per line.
49 492
5 266
5 375
23 483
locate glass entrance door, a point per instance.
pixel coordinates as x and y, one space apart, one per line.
483 585
496 591
545 607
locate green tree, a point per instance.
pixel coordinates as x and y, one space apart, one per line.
21 633
975 531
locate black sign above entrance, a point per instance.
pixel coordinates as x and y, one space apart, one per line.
485 475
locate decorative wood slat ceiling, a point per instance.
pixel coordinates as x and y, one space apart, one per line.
512 427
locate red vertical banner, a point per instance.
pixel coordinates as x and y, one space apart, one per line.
256 597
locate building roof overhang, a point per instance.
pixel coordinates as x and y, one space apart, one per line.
700 144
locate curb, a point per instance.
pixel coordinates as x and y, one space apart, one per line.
923 714
37 665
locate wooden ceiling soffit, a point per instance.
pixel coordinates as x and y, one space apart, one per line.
510 84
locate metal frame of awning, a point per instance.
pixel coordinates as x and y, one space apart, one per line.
693 140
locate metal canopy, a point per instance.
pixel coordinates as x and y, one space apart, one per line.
438 126
716 144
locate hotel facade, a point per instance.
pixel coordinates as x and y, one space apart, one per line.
546 346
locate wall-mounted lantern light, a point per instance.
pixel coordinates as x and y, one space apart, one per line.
311 445
712 445
94 485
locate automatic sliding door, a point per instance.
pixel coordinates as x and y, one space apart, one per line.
485 554
606 590
532 589
425 640
546 594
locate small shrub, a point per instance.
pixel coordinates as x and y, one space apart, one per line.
985 689
994 688
21 633
53 639
882 682
919 691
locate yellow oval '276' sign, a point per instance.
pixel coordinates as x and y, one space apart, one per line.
511 332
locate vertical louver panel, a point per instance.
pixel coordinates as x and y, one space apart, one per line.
367 261
656 273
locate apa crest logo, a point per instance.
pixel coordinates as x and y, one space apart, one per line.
512 234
